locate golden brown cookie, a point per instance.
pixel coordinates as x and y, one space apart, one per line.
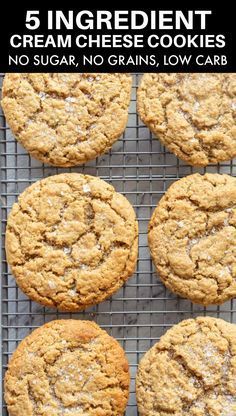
66 119
192 114
71 241
67 367
190 372
192 238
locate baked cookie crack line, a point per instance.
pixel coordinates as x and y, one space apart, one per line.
64 250
198 379
208 132
42 297
48 243
55 121
57 96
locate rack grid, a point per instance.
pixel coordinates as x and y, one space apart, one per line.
139 167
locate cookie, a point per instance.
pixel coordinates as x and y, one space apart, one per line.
190 372
192 238
71 241
67 367
66 119
192 114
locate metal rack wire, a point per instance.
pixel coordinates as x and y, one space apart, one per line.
143 310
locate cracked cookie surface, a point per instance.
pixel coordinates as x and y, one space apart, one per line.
67 367
71 241
192 114
192 238
191 371
66 119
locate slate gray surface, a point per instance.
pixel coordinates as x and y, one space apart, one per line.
143 310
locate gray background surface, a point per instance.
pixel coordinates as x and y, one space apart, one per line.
140 168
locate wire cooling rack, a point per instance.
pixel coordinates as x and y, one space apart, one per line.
140 168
